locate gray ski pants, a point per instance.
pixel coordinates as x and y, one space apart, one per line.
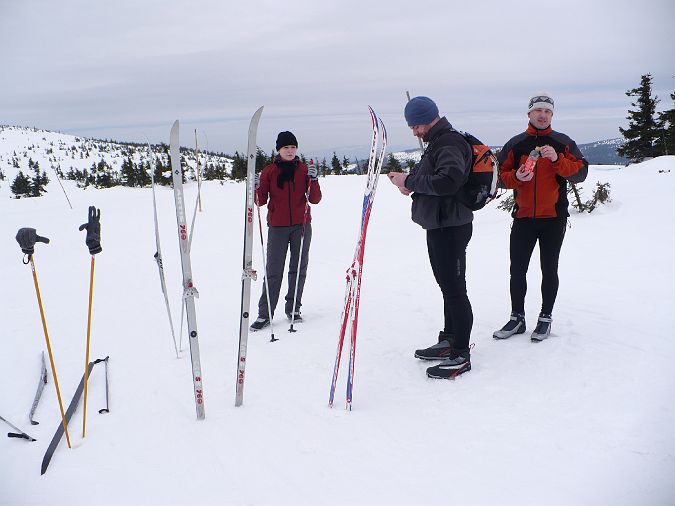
278 241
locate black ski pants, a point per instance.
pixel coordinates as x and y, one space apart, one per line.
447 254
525 233
279 239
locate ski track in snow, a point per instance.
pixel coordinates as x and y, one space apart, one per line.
585 417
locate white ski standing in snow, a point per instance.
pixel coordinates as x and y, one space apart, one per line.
189 290
158 253
248 273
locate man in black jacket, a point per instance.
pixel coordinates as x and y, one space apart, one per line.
434 183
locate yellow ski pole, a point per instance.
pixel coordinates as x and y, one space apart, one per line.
27 237
93 242
86 362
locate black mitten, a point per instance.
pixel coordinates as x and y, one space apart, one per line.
27 237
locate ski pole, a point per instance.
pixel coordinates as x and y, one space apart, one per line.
19 434
267 286
302 243
93 242
27 237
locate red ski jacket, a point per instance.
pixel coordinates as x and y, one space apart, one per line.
545 196
287 203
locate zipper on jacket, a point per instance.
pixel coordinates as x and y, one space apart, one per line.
290 205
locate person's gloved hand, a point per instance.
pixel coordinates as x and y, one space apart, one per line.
93 227
27 237
523 175
312 172
256 181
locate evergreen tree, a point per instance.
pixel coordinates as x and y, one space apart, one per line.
162 172
323 166
128 174
261 160
21 186
103 175
2 175
642 132
391 165
667 124
345 163
38 181
143 174
239 167
335 165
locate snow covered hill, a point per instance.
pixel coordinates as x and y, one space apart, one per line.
586 417
68 153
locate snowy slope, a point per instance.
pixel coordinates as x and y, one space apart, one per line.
55 150
584 418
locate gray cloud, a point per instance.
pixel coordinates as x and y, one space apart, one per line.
127 70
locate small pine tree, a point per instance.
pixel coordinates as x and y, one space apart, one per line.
261 161
239 168
128 174
392 165
335 165
667 124
38 181
642 132
21 186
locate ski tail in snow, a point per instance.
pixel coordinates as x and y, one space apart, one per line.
38 393
69 414
350 313
247 262
189 290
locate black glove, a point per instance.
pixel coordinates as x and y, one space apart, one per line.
27 237
93 227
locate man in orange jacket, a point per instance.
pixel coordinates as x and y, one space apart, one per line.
541 209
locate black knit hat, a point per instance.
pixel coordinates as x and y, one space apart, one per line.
286 139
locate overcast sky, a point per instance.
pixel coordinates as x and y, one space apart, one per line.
128 69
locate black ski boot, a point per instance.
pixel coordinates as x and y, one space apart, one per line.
516 325
457 363
260 324
295 318
439 351
543 329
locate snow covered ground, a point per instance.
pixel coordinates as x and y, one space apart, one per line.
586 417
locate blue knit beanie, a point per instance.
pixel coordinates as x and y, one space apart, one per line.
420 111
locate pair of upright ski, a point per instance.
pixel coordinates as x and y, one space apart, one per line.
189 290
349 318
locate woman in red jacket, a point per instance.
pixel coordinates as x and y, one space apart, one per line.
287 186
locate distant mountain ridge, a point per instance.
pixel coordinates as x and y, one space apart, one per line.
597 153
54 150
